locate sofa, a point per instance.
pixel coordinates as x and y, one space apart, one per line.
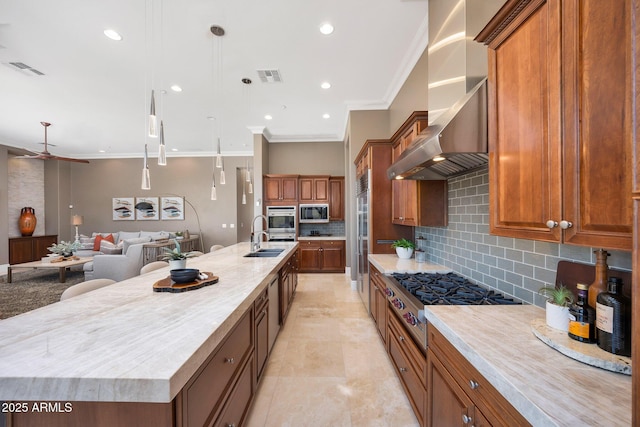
117 256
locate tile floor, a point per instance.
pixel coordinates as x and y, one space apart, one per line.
328 366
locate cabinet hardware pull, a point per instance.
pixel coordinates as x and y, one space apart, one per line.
264 311
565 224
400 337
466 419
403 369
229 360
552 224
474 385
231 425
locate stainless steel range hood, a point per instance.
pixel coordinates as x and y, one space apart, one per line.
454 144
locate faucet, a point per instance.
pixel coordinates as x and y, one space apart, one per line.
255 243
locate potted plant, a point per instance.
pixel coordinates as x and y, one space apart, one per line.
557 307
404 248
63 248
177 259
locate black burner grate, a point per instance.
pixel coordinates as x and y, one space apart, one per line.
448 289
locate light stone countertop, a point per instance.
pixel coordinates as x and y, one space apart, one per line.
390 263
545 386
125 342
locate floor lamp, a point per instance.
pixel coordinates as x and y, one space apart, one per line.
77 220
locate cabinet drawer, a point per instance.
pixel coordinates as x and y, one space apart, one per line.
490 402
205 392
237 405
412 381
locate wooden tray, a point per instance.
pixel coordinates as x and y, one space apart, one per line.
168 285
590 354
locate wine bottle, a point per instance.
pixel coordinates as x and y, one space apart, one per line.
613 320
582 318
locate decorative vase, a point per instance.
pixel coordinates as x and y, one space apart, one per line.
176 264
404 253
27 221
557 316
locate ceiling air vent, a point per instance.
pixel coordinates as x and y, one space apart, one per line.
269 76
23 68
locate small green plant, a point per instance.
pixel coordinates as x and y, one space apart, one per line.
403 243
176 253
64 248
559 295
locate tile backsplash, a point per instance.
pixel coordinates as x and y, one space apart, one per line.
335 228
516 267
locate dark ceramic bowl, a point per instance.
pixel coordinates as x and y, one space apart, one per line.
184 275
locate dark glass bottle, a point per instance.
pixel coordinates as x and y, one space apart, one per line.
582 318
613 319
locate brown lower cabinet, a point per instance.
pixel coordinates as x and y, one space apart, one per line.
378 300
261 321
322 256
458 394
27 249
410 365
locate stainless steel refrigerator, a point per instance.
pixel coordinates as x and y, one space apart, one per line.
362 196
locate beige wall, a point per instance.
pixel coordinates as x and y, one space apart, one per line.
413 96
308 158
94 185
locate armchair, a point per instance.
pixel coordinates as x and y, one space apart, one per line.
116 267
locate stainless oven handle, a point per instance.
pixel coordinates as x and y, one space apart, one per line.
421 317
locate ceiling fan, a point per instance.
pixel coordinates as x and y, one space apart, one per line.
46 155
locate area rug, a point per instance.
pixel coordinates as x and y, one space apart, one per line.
31 289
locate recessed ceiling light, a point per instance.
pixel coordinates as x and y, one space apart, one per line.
326 28
112 34
326 116
174 149
325 85
268 117
176 88
101 151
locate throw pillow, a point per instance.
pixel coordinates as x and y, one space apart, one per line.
100 238
86 243
129 242
109 248
125 235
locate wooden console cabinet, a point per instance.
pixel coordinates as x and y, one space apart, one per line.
32 248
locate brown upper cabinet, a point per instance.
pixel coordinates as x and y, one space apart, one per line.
336 198
281 189
416 203
313 189
560 161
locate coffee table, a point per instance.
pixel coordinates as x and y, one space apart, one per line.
40 265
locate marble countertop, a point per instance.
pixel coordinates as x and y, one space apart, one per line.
125 342
325 237
390 263
545 386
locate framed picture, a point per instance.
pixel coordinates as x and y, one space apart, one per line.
147 208
122 209
172 208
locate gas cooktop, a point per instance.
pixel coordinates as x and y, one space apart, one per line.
450 288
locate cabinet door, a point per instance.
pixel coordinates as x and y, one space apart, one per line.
309 257
524 126
306 189
262 338
290 189
272 189
333 257
447 403
336 198
597 123
40 245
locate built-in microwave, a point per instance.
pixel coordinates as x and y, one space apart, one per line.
314 213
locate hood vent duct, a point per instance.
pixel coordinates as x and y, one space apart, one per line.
456 143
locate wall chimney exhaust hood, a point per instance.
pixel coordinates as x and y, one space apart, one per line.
455 143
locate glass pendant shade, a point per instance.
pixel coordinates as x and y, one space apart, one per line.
146 179
153 121
244 199
162 149
222 178
214 192
250 190
219 156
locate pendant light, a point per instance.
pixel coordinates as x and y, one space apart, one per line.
244 194
153 120
214 192
223 181
146 179
216 60
162 150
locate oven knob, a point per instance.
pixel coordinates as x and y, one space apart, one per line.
410 318
398 304
389 292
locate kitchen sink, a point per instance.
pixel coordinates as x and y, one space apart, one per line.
264 253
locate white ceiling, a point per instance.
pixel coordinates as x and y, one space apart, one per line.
96 91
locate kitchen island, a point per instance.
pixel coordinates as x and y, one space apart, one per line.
127 344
